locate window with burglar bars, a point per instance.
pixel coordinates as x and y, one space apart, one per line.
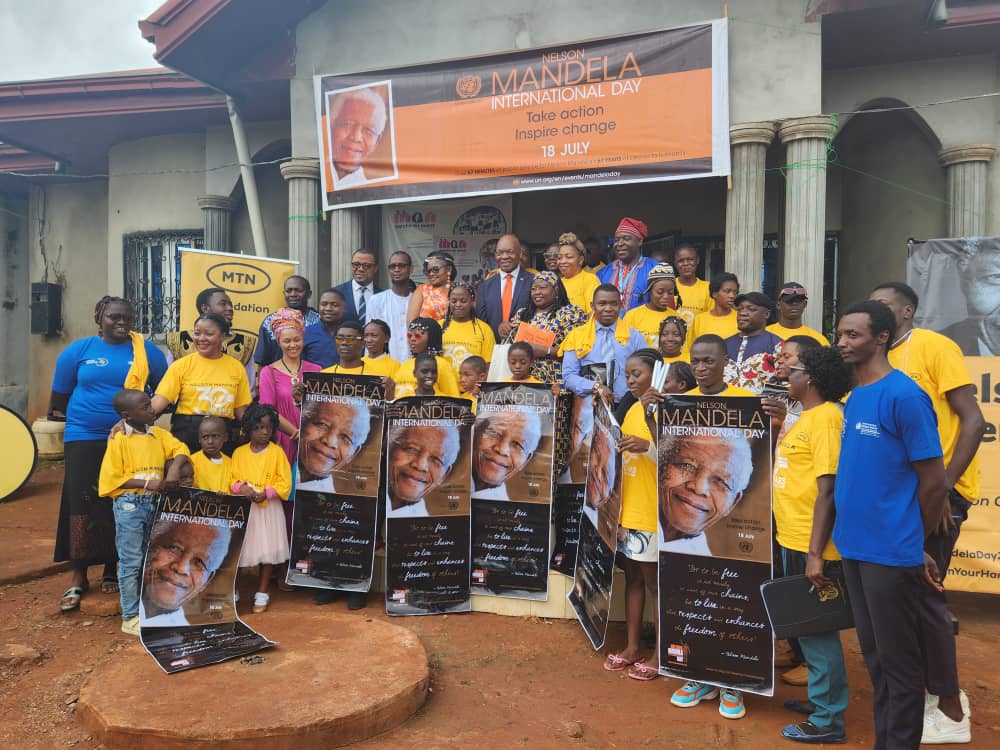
153 278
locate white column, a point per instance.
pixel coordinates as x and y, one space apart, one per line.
745 202
806 140
216 216
967 167
347 233
302 176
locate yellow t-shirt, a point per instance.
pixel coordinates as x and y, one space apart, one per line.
647 322
209 475
406 383
526 380
809 450
721 325
786 333
580 289
682 357
341 370
638 475
730 390
384 366
467 339
136 455
206 386
936 364
695 299
269 468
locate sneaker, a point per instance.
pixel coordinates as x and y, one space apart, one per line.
131 626
931 703
731 704
940 730
693 693
357 600
806 731
260 602
798 676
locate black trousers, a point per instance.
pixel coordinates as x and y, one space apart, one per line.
887 603
940 659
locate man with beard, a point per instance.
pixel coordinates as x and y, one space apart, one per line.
297 293
319 341
420 459
332 434
752 351
504 442
358 292
627 273
181 561
392 304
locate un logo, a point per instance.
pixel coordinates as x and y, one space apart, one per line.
468 86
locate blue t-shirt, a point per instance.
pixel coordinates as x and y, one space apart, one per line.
888 425
92 371
318 346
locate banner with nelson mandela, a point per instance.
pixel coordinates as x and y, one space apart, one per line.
334 521
593 577
428 475
512 447
714 521
187 611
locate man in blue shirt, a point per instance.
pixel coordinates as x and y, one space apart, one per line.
890 493
628 272
600 346
318 343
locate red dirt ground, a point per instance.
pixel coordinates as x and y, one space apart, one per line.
497 682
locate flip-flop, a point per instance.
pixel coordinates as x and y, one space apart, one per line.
643 672
800 707
615 663
71 598
109 585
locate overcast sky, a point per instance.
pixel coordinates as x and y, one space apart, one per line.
56 38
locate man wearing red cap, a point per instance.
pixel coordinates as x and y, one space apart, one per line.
792 301
629 270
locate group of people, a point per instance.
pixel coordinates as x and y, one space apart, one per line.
599 330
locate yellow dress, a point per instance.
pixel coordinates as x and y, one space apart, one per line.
266 538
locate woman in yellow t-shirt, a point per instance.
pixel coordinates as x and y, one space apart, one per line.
377 360
805 468
721 319
662 294
206 382
578 282
672 340
463 335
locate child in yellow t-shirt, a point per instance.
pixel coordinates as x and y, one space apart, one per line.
471 373
133 475
520 361
212 468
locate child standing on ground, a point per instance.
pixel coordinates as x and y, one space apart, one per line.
261 473
637 549
133 475
212 467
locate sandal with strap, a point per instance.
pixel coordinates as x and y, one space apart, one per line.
616 663
71 598
109 585
643 672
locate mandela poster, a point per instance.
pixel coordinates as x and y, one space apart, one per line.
428 474
594 112
512 444
714 529
187 612
339 471
590 596
958 282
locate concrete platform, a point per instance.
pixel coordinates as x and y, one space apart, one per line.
335 679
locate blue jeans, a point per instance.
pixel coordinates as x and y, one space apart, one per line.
134 514
825 661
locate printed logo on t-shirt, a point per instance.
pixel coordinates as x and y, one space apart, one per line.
868 429
96 362
213 400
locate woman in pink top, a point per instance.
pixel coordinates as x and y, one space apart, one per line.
277 381
430 300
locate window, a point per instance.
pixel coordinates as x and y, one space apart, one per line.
153 278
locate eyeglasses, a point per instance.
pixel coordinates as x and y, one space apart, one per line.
399 266
348 339
363 266
435 269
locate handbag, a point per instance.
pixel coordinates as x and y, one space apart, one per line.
796 607
499 369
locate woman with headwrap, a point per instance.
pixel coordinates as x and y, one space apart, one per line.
424 335
277 381
662 301
430 300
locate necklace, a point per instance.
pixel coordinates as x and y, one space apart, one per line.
293 375
902 338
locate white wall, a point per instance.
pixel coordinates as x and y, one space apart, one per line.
15 299
220 150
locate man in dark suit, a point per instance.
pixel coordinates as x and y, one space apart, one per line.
359 290
506 291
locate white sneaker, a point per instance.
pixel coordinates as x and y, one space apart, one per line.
940 730
931 703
